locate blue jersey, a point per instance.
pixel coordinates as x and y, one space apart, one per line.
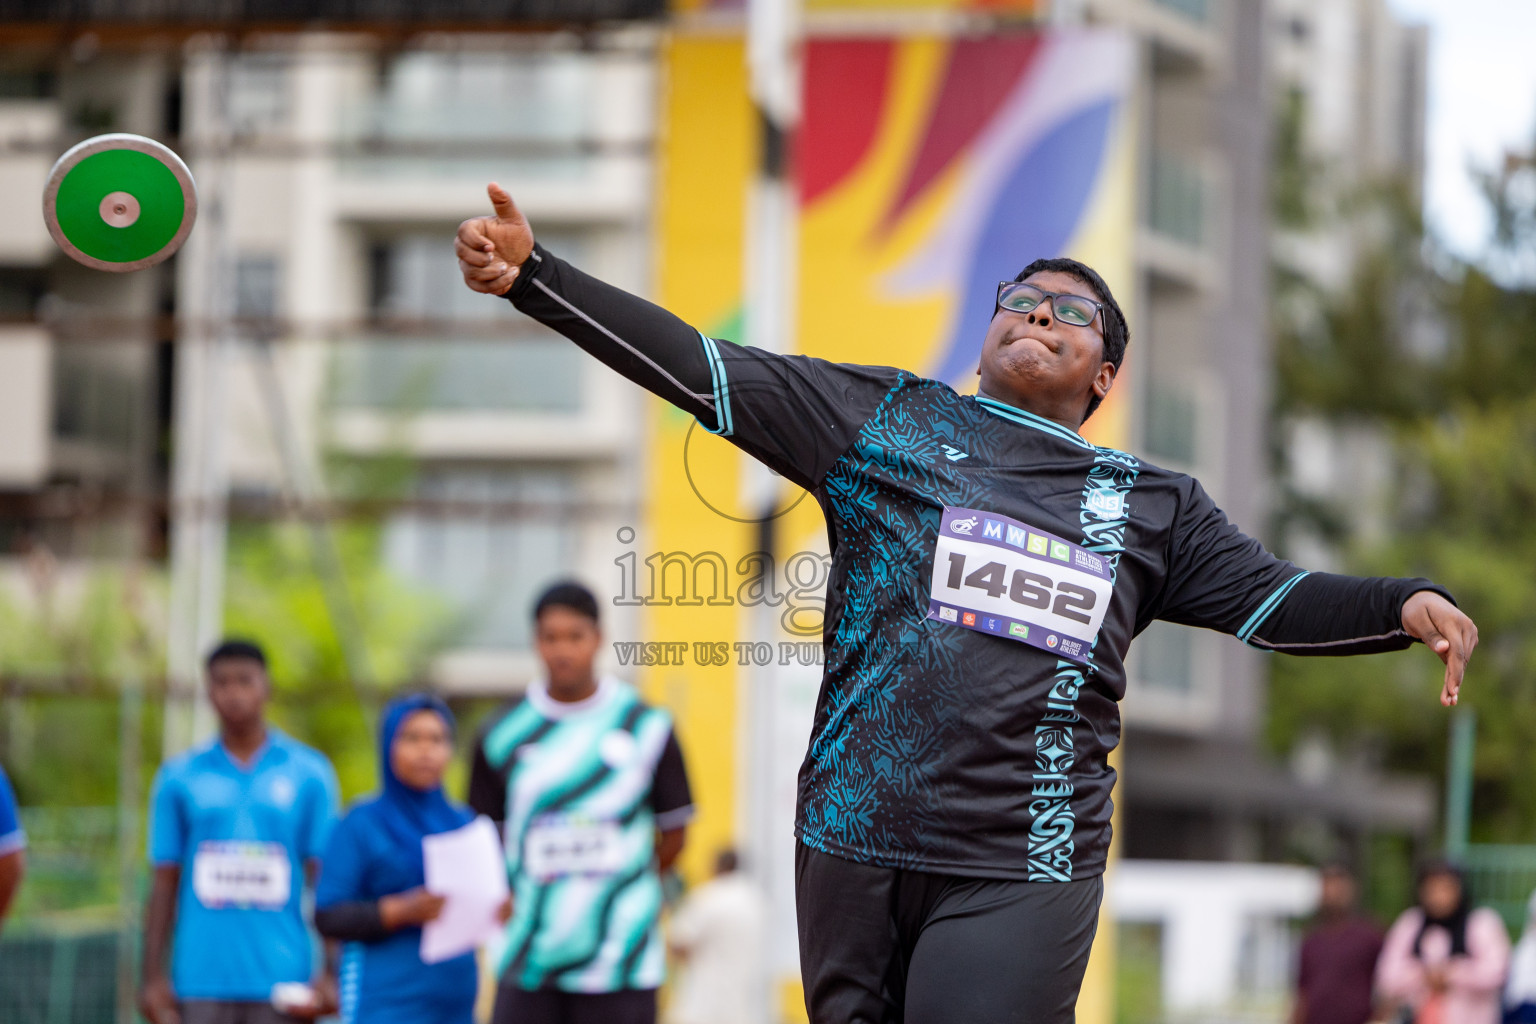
241 836
12 838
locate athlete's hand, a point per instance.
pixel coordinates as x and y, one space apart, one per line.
1446 630
491 249
412 907
504 912
157 1001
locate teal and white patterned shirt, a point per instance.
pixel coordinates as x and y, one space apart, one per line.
581 790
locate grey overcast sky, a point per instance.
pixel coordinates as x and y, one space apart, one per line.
1482 101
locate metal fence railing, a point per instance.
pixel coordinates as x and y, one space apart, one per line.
1502 877
59 978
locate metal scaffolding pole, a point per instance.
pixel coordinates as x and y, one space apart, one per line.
773 58
200 474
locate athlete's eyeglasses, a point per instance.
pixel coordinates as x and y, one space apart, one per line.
1018 297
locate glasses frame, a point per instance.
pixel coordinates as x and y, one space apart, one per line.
1098 307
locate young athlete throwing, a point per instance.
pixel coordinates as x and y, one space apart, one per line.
989 569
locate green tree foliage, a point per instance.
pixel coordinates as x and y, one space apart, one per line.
275 595
1438 356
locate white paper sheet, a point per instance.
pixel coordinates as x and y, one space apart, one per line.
467 866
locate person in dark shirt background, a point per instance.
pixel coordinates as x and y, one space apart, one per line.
1338 957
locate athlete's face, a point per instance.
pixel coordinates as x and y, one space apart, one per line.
419 753
568 642
1036 362
238 689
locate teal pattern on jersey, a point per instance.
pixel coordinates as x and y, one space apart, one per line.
1106 512
582 925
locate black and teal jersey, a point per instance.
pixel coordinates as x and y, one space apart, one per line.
581 790
989 571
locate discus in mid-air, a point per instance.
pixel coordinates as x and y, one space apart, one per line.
120 202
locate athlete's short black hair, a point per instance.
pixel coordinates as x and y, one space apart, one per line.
567 594
1117 333
232 648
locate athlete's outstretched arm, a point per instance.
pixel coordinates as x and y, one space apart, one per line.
1220 578
795 414
642 341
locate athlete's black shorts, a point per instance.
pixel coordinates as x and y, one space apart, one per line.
549 1006
885 946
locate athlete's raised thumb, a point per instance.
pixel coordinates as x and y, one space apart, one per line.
501 202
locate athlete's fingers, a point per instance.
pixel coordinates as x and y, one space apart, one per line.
501 202
1459 636
502 284
475 255
484 274
473 232
476 282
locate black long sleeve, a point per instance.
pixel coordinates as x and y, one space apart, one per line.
354 921
639 339
487 784
796 414
1325 614
1221 578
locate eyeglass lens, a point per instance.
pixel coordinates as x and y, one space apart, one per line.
1070 308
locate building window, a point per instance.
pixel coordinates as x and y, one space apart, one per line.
256 287
529 114
1199 10
1173 417
1176 206
258 94
1165 658
448 349
487 540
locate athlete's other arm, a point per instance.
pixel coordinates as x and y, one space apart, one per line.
672 803
488 796
157 1000
669 846
1222 579
327 992
168 845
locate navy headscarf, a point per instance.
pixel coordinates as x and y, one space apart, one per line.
376 851
404 813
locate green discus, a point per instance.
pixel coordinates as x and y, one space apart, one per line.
120 202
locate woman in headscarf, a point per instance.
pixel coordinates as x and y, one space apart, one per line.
1520 994
1443 961
371 891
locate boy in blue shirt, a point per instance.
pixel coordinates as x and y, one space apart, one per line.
237 825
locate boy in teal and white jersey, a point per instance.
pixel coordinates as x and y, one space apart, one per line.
589 786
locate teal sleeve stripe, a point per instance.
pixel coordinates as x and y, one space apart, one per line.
723 425
1265 610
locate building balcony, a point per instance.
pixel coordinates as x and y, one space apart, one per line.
1177 222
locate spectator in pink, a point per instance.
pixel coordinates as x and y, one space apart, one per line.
1444 962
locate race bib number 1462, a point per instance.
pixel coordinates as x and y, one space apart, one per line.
998 575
